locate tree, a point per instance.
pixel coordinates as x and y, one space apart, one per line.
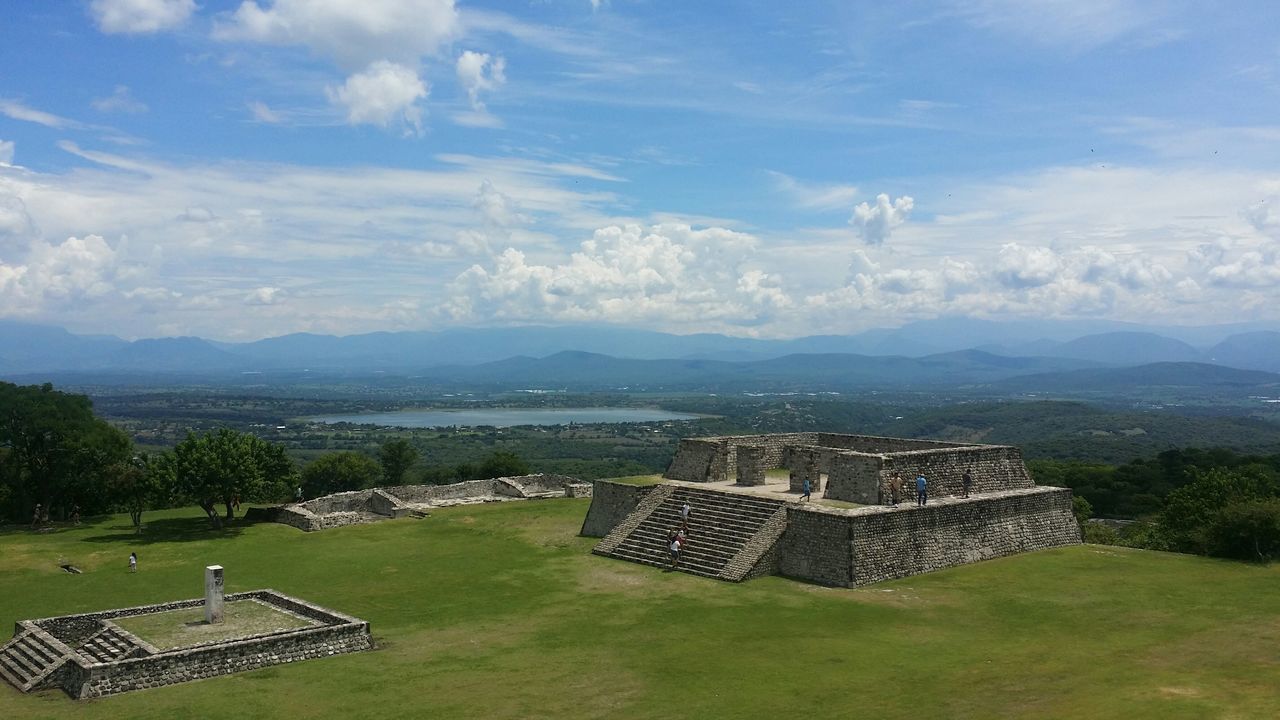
141 484
1191 509
56 452
223 465
338 472
503 463
396 456
1247 530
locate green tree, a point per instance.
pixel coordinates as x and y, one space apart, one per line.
338 472
56 452
1191 509
502 463
141 484
396 456
1247 530
223 465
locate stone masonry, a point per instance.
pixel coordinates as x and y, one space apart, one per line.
89 656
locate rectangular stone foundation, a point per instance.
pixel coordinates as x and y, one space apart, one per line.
80 676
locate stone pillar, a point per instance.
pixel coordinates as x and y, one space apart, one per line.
213 594
750 465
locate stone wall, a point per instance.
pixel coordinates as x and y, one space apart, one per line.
751 465
610 503
994 468
544 484
855 547
878 445
693 460
854 477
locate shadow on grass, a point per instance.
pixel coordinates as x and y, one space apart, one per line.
183 529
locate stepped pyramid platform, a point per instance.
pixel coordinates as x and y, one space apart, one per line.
746 520
90 655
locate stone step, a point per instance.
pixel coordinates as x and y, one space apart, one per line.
741 529
686 565
27 659
701 545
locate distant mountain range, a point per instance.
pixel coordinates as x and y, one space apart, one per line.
933 352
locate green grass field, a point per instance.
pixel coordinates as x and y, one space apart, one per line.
499 611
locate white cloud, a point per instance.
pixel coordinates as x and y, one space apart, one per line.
670 275
17 111
817 196
876 224
6 152
478 72
384 93
120 100
59 276
264 114
141 16
1074 24
264 296
354 34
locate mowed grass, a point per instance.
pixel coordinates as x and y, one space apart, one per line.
499 611
185 627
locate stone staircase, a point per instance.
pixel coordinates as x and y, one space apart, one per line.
107 645
28 659
729 533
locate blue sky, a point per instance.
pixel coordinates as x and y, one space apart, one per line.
243 169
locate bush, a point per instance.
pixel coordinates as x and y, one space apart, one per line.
1099 534
339 472
1246 531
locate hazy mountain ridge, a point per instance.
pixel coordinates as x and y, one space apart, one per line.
969 350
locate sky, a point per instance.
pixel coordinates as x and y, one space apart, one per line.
244 169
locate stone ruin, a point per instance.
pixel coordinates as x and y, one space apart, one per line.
90 655
388 503
743 527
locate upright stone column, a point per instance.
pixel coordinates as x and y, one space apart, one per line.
213 594
750 465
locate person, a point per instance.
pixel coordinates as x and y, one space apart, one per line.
684 515
133 562
673 543
297 494
894 486
75 514
922 490
966 481
235 501
805 489
35 517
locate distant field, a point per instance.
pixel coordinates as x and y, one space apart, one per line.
499 611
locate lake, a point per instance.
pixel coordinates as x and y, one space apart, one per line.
506 417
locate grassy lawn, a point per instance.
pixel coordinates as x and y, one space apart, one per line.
499 611
179 628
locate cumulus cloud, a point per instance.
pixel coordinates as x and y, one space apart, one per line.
141 16
384 93
354 34
264 296
478 72
670 274
59 276
6 152
876 223
120 100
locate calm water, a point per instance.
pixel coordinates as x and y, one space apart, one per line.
506 417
